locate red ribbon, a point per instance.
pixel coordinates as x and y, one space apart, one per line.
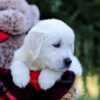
3 36
34 75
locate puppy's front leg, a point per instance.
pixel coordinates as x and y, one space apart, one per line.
48 78
19 69
20 74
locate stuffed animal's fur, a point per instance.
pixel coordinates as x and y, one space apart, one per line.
16 18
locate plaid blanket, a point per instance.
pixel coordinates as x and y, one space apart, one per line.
8 91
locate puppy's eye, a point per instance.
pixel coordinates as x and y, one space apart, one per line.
57 45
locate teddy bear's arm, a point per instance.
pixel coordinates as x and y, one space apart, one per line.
13 22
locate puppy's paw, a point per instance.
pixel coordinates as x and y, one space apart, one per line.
48 78
21 80
20 74
46 82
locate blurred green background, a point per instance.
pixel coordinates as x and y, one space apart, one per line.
84 17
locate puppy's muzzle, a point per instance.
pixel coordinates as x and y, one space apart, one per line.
67 62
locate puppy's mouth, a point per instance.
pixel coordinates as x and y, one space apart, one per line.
63 69
60 69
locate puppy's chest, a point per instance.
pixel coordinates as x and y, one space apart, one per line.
34 67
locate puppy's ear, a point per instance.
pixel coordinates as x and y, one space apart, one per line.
76 66
33 43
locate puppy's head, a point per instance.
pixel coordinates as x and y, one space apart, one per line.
52 44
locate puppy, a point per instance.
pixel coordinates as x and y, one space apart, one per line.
49 47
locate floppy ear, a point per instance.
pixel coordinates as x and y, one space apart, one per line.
33 43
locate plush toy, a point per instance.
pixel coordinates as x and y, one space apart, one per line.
8 91
16 18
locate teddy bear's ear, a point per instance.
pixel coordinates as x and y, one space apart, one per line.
33 42
36 13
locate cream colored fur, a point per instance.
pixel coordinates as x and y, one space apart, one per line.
38 53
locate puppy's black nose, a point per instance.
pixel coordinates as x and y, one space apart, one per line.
67 62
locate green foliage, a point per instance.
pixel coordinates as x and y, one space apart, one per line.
87 98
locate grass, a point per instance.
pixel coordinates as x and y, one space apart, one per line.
87 98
